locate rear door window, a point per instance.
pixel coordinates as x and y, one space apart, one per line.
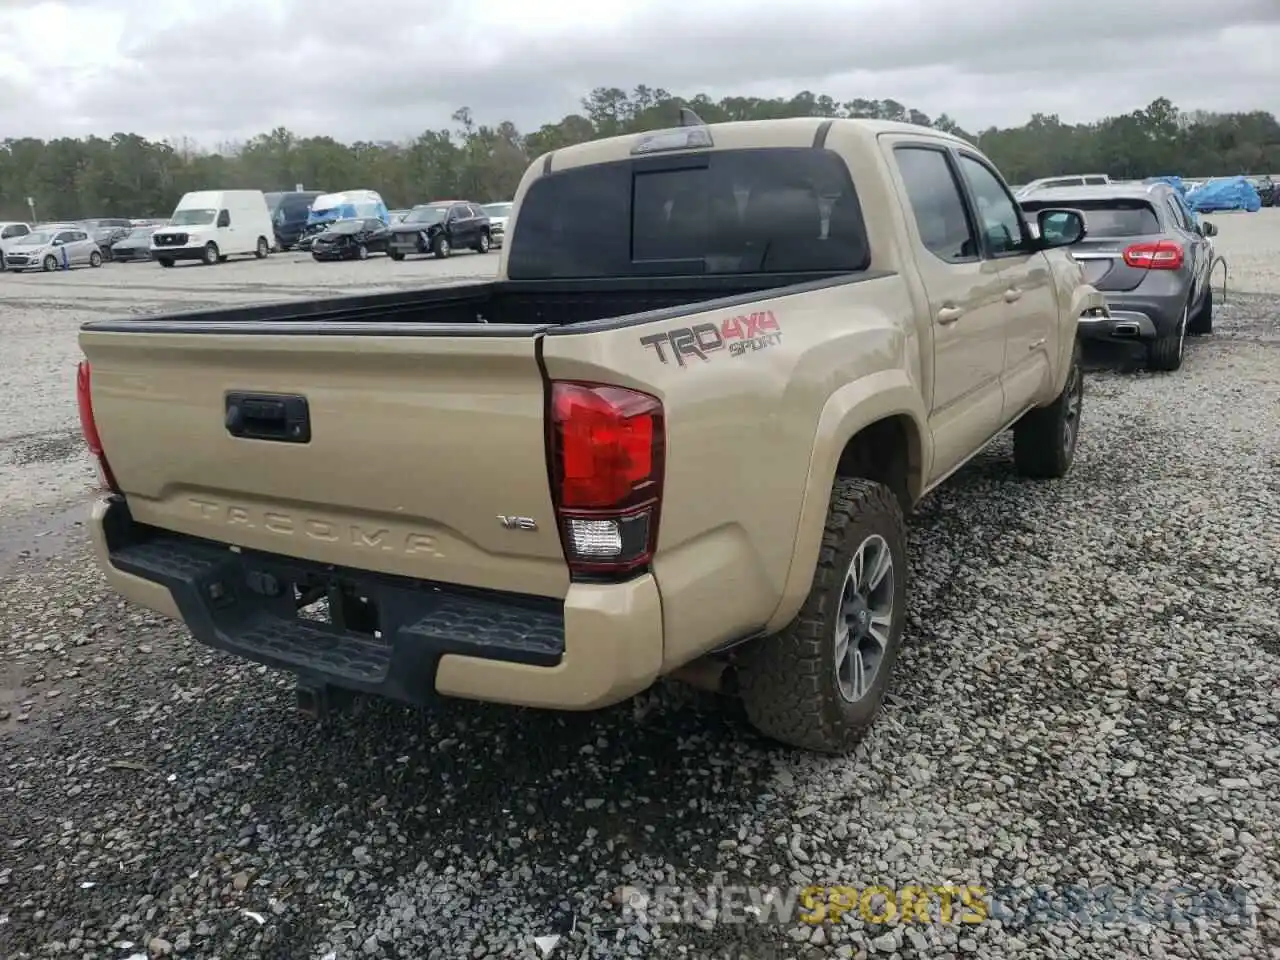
772 210
937 203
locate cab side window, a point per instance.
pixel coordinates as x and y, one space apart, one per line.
224 219
936 201
1001 224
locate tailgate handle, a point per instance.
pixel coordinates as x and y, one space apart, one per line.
284 418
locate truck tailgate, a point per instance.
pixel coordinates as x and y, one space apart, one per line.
419 446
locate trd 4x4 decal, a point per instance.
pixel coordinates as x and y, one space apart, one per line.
741 334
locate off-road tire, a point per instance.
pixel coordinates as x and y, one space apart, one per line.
210 254
49 263
1202 322
95 259
484 244
1165 353
788 681
440 247
263 249
1040 446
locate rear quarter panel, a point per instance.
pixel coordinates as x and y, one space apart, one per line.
751 431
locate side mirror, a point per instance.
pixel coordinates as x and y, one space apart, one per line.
57 242
1060 228
1209 230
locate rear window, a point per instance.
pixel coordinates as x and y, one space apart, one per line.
776 210
1109 218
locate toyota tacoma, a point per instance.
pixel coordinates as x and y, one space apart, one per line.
676 436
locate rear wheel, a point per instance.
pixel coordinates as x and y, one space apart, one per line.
95 259
483 245
362 252
395 255
1166 352
210 254
440 247
264 248
166 262
1202 322
820 682
1044 440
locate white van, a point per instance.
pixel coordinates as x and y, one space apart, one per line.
212 225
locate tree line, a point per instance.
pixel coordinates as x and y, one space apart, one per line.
128 175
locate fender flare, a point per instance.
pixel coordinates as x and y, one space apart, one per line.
852 408
1084 298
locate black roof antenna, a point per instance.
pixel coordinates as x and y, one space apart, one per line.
690 119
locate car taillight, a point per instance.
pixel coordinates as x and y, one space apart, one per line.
89 427
1165 255
607 453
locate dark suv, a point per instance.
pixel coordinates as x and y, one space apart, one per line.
440 228
289 215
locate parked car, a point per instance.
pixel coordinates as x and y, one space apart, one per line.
136 246
440 228
289 211
1149 257
53 249
675 436
212 225
10 232
1066 180
106 231
351 239
498 214
397 215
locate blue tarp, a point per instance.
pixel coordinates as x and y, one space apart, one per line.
1175 182
1229 193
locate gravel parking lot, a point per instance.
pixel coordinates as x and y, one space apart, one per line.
1089 697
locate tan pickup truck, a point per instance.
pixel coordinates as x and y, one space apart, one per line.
676 435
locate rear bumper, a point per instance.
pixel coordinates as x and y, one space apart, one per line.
602 644
1135 317
1120 325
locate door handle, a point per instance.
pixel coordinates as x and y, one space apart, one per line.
1036 345
949 315
1012 295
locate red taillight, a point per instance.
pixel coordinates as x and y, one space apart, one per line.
607 449
89 427
1165 255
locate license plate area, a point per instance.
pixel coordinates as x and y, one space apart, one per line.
338 603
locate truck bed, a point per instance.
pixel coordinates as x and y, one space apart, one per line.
458 309
389 433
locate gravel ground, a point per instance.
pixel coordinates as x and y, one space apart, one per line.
1089 695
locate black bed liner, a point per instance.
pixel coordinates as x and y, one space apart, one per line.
496 308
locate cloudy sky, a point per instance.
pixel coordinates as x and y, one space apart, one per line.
219 70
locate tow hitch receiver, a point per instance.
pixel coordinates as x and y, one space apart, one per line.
319 700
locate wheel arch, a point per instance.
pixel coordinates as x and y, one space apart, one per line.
874 428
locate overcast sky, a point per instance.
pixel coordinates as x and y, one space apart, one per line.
219 70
